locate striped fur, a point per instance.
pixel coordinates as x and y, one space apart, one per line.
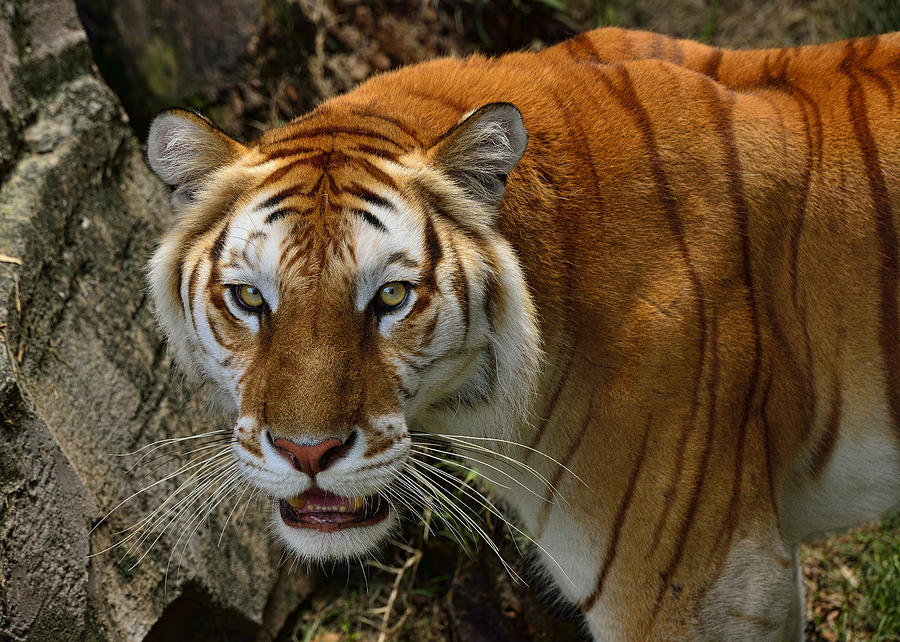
684 293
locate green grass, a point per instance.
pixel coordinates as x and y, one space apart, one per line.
853 584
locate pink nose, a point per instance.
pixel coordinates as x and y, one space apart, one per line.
313 459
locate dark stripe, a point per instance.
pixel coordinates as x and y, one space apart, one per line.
678 56
281 172
219 246
889 331
807 109
373 151
189 303
279 214
276 199
554 399
657 46
629 102
369 196
307 153
403 259
768 453
461 289
377 173
711 66
688 521
332 131
723 118
544 514
371 219
825 448
393 121
433 250
582 49
619 521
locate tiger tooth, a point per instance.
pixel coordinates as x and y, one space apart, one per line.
356 503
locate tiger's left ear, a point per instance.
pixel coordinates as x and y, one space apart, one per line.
479 152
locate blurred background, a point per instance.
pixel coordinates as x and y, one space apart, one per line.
85 372
251 63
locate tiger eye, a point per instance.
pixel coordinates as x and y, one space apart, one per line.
392 295
249 297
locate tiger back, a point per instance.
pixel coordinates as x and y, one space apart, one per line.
656 281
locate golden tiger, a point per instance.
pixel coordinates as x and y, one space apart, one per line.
660 276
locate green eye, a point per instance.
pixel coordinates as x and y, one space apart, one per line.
248 297
391 296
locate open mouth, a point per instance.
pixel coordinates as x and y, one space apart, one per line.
324 511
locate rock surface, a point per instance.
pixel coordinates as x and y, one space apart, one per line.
84 374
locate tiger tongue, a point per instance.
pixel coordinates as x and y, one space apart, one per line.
320 501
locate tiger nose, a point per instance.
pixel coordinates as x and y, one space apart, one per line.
316 458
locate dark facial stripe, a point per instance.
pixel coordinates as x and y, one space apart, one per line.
401 258
276 199
619 521
377 173
371 219
332 131
889 330
461 289
373 151
219 246
369 196
392 121
433 250
189 303
278 214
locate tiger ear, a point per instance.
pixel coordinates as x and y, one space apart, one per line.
184 148
479 152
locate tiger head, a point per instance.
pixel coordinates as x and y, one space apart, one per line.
342 282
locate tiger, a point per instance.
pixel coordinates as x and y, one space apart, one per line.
651 281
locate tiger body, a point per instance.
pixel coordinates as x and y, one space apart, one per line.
680 310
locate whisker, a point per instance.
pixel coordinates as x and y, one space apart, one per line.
427 453
451 504
458 439
507 459
185 468
487 504
173 440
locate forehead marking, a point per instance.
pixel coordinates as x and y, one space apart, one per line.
369 196
371 219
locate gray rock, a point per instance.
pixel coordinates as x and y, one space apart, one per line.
84 374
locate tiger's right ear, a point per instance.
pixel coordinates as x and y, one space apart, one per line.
184 148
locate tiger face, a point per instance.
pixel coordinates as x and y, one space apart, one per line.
340 296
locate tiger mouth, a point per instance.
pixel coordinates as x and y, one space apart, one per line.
323 511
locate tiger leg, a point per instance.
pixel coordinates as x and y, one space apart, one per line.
757 596
751 593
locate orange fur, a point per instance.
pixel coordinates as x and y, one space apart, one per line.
709 243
